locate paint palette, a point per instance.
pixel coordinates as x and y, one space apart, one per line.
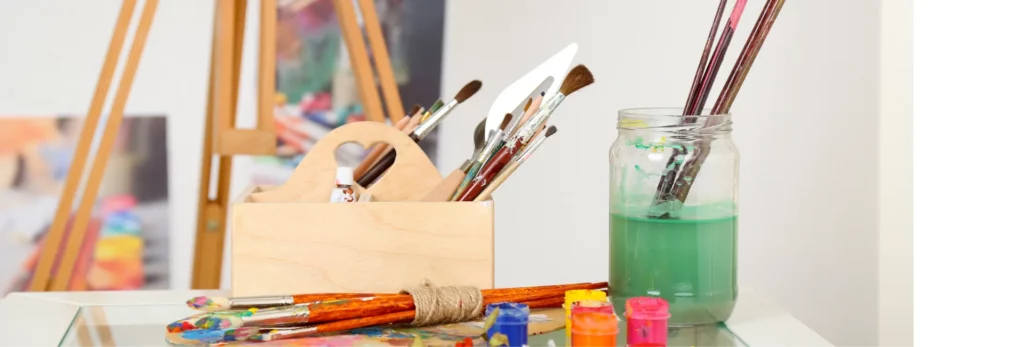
542 321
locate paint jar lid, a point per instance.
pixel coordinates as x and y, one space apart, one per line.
594 323
592 306
643 307
343 176
575 295
509 313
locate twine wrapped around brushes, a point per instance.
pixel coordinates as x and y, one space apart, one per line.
449 304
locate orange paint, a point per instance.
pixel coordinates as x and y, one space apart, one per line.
597 329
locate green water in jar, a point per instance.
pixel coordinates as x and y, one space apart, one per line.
689 262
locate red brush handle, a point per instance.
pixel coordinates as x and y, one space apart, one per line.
342 310
349 324
311 298
488 172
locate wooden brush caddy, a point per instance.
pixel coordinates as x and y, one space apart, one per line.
290 240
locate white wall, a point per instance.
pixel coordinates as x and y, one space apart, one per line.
806 124
895 154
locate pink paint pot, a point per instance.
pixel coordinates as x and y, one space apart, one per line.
646 321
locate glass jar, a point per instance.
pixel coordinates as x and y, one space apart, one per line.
672 213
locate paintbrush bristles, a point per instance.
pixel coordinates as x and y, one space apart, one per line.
551 131
468 90
578 78
415 108
528 103
505 121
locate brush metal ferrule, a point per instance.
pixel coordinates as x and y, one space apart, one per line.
466 165
261 301
490 147
526 132
435 118
277 316
282 334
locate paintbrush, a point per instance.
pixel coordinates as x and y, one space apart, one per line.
218 303
669 183
577 78
715 64
421 131
349 308
739 73
536 300
746 59
514 164
704 55
495 140
521 118
378 149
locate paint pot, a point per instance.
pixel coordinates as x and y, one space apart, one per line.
513 321
646 321
594 329
572 296
343 182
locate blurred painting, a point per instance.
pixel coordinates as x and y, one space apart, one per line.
317 88
126 243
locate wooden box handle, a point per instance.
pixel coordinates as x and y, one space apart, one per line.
409 178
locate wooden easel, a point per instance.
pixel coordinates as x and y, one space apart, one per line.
221 141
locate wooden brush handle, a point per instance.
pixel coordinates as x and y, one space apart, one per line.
359 308
491 169
377 151
378 169
320 297
311 298
545 303
562 287
370 321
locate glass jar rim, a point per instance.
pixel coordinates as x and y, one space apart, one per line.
661 117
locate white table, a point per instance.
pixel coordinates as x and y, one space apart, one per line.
42 319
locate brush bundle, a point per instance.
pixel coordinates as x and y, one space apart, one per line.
498 153
677 181
272 318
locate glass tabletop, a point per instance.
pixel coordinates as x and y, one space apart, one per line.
145 325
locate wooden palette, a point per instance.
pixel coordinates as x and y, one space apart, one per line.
542 321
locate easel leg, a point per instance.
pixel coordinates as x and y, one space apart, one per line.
222 98
99 164
54 237
353 37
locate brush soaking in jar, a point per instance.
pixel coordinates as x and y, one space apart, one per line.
672 213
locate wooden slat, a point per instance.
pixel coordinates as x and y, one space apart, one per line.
95 178
44 266
382 60
200 281
209 251
356 46
223 59
267 64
